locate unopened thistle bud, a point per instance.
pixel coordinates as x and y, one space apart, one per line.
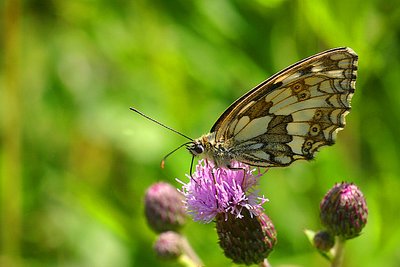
344 211
164 208
169 245
247 240
324 241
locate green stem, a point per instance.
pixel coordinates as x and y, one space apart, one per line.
338 253
189 257
265 263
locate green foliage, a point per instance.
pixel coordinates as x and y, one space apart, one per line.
75 162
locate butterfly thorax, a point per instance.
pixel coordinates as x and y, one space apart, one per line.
209 148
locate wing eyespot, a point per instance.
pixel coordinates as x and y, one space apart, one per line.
315 129
303 95
297 87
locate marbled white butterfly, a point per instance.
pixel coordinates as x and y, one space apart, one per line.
286 117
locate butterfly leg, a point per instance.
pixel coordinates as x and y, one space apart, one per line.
215 183
239 169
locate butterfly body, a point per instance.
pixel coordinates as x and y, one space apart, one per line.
287 117
209 148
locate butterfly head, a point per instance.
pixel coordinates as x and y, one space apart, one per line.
202 146
206 147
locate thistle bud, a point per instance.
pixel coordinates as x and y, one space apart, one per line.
324 241
169 245
343 210
164 208
247 240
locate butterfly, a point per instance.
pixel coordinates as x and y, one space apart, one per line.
286 117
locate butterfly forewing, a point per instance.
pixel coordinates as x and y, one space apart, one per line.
293 113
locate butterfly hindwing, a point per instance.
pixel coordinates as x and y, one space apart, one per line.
293 113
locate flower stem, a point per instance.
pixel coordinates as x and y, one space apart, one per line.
190 258
265 263
338 253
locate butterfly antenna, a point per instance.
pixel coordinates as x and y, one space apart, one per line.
159 123
166 156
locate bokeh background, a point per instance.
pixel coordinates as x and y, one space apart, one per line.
75 162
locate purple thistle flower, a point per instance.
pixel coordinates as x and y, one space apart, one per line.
217 190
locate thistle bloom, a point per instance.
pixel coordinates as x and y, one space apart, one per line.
229 196
212 191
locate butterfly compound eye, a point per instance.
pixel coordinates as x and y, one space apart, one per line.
196 149
199 149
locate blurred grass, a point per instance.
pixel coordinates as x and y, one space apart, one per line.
75 162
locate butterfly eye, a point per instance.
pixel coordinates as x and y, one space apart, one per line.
196 148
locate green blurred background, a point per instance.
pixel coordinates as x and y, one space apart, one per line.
75 162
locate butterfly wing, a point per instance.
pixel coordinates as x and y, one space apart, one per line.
293 113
